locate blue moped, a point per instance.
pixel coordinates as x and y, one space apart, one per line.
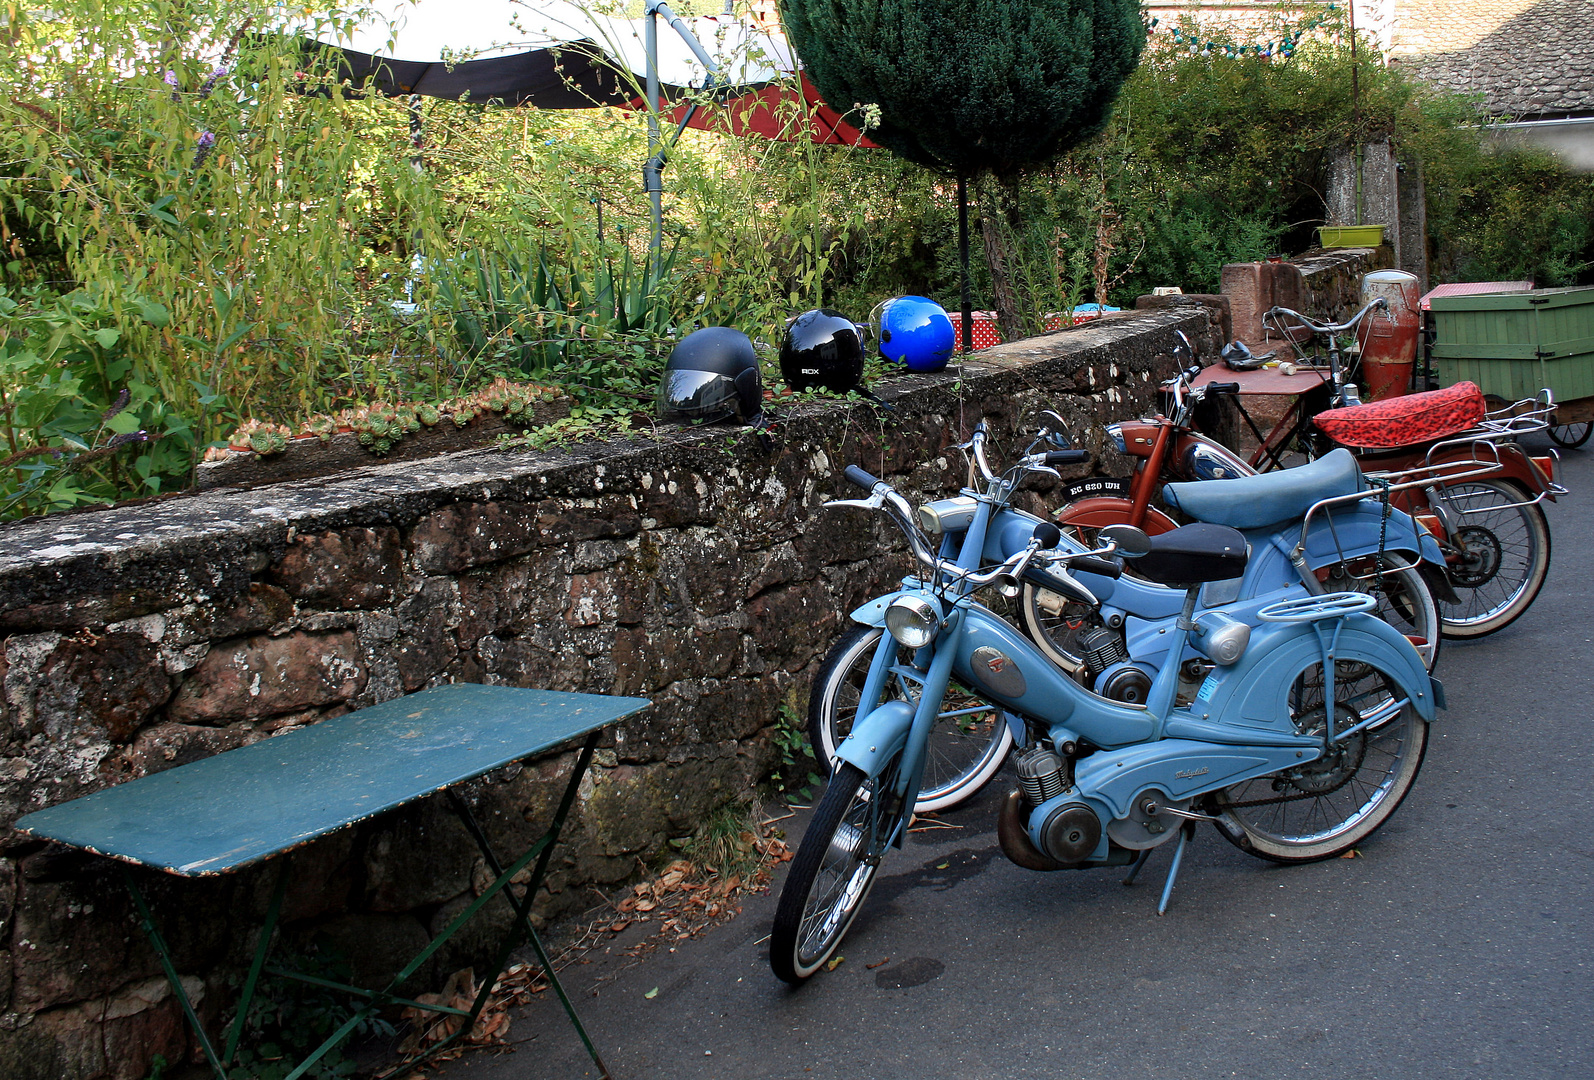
1297 744
1112 631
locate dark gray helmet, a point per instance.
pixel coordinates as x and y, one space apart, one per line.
712 374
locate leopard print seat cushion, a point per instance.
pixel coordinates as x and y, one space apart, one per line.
1405 421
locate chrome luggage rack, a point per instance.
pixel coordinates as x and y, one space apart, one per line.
1502 425
1311 608
1418 476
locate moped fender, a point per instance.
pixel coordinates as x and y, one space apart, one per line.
877 737
874 612
1236 704
1182 768
1095 513
1355 529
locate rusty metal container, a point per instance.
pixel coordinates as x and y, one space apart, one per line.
1388 339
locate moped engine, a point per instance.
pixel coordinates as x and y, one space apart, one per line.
1112 675
1070 831
1128 683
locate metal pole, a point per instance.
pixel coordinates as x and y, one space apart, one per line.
1359 152
650 172
963 256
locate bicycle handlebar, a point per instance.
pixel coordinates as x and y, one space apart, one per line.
1092 564
1327 328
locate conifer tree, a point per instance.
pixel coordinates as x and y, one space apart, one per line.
967 87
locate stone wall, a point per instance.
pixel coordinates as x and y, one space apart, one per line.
1323 284
690 567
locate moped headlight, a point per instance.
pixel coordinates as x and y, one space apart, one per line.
947 515
913 621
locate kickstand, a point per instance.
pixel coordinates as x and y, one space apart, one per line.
1186 834
1135 869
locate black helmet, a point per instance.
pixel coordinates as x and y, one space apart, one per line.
822 348
712 374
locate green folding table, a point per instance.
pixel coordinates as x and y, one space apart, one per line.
244 806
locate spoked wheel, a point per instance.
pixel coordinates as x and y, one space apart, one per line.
1502 556
1405 601
833 870
970 740
1571 436
1054 622
1320 809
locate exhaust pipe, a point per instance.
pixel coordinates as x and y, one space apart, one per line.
1014 839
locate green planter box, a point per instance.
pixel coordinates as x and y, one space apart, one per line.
1346 236
1514 344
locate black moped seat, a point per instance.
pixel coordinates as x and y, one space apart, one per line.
1193 555
1255 502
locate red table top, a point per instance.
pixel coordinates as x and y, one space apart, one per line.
1263 380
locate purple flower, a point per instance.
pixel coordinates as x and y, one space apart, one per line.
170 79
210 83
206 141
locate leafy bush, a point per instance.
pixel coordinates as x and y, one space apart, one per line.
225 246
82 420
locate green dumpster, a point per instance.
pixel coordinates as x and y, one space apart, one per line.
1515 344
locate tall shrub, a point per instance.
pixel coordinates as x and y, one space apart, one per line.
972 87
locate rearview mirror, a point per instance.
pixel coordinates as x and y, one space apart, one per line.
1054 429
1132 542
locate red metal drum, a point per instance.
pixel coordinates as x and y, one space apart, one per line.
1388 339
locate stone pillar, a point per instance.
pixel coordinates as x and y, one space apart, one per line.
1380 198
1382 201
1412 255
1341 198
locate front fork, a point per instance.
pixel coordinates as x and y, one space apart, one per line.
941 654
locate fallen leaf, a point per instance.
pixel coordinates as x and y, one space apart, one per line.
646 905
1353 853
877 963
943 866
651 994
834 962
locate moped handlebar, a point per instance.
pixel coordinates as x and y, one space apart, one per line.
1216 388
1067 457
863 479
1090 564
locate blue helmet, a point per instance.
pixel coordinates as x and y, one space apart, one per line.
916 332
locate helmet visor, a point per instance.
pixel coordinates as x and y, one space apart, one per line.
696 395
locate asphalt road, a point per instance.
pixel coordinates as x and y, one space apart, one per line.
1459 945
